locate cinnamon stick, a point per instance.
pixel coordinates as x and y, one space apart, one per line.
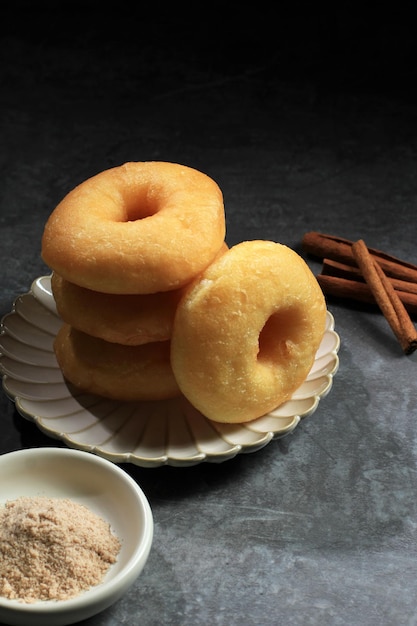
342 270
350 289
386 297
340 249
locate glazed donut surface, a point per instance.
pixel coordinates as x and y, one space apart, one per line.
142 227
254 320
125 373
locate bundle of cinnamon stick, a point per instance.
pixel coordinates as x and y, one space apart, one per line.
352 270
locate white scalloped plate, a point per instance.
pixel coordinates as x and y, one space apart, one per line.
148 434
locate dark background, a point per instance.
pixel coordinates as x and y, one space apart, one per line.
306 118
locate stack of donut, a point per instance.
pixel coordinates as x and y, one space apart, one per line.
154 304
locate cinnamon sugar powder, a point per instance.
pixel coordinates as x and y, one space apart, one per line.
52 549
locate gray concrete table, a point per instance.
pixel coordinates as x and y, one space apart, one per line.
319 527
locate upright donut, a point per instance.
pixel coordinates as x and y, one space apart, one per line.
246 331
141 227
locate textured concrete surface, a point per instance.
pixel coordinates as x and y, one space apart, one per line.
306 125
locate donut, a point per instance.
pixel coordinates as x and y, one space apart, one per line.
129 319
246 331
111 370
138 228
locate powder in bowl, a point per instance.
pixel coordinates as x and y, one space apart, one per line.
52 549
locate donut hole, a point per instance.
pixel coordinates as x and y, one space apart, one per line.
278 337
138 206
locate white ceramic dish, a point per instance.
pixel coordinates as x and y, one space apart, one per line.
145 434
109 492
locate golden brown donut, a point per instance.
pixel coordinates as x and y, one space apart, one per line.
141 227
246 331
129 319
125 373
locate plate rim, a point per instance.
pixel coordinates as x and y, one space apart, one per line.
41 292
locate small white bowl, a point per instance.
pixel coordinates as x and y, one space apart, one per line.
105 489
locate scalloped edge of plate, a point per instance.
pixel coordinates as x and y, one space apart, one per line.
147 434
